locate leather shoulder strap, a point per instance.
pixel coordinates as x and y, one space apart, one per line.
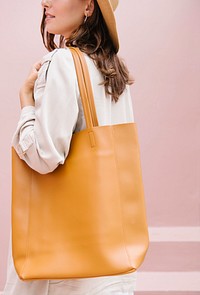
85 87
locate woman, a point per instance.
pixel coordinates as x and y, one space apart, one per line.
51 111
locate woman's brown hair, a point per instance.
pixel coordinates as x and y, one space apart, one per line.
92 37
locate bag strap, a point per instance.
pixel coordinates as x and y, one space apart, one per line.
85 87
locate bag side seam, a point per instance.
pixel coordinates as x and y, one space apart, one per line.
29 229
119 187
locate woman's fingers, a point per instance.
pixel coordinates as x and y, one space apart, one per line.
37 65
30 80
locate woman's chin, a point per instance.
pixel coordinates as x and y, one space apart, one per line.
52 31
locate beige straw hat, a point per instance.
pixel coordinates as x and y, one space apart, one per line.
107 8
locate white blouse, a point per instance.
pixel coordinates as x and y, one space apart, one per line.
43 134
42 140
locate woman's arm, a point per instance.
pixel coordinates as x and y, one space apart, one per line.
44 131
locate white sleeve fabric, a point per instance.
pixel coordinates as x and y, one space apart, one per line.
44 132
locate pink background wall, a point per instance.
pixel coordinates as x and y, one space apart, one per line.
160 41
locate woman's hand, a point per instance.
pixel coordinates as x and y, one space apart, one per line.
26 91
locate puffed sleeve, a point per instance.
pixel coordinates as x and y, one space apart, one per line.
43 135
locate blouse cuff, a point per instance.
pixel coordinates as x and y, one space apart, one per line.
22 139
24 145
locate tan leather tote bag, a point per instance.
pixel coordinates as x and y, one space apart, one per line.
87 218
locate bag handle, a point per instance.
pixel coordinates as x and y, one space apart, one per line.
85 87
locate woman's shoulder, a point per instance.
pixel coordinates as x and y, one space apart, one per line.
56 54
54 64
48 56
57 60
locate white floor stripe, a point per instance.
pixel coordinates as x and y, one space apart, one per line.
174 234
168 281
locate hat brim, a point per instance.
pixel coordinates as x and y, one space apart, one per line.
108 15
